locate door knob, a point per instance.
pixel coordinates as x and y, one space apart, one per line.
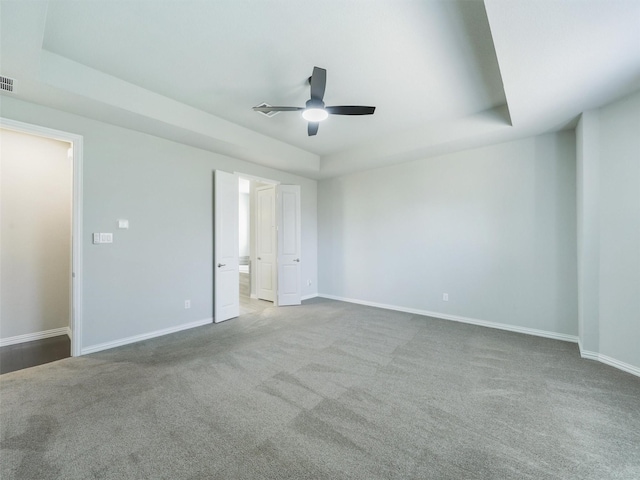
222 265
296 259
259 258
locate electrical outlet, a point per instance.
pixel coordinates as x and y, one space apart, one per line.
445 297
309 283
187 304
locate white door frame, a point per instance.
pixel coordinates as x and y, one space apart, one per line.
77 232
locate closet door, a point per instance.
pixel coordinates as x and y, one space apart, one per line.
226 300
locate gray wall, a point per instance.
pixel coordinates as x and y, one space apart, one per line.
620 230
609 231
36 234
494 227
138 284
588 223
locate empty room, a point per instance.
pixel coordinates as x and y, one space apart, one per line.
386 239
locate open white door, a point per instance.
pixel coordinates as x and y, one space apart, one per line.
288 221
226 301
266 243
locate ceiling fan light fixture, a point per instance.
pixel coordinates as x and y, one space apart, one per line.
315 114
315 111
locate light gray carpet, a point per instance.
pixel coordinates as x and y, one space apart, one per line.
327 390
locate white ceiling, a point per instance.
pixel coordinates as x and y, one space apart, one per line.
191 70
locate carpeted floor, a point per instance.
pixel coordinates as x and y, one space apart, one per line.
327 390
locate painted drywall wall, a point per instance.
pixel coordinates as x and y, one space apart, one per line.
138 284
608 200
619 202
588 224
35 228
494 227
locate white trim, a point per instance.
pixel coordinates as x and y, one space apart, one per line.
473 321
145 336
307 297
30 337
589 355
620 365
626 367
77 232
585 353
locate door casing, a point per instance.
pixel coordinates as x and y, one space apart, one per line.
76 229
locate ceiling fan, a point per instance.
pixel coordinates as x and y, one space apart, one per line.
315 111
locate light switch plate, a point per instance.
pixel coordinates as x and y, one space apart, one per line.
123 223
96 238
106 238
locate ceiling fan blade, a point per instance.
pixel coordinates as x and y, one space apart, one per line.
312 128
351 110
277 109
318 83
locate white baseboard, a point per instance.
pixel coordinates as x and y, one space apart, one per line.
625 367
585 353
456 318
501 326
144 336
30 337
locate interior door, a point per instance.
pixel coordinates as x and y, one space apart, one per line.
288 221
266 243
226 250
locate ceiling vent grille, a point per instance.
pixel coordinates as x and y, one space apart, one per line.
6 84
267 114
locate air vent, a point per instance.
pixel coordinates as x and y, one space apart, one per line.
6 84
267 114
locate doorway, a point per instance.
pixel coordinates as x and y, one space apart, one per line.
256 221
280 272
41 248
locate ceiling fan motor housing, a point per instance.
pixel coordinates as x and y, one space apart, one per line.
315 103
